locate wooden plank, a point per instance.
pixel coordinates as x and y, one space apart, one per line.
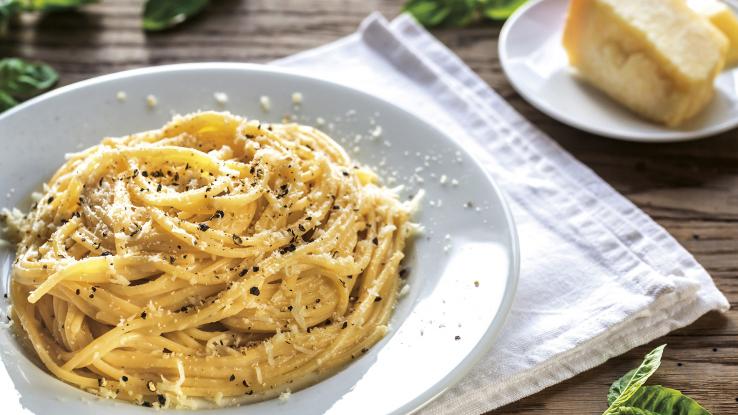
690 188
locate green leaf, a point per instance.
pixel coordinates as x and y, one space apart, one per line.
636 379
444 12
665 401
8 10
6 101
629 410
53 5
21 80
618 386
501 9
163 14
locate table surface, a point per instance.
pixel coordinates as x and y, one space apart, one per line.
691 189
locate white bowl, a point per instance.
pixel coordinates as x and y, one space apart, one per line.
420 357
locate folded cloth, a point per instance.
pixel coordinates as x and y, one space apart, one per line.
598 276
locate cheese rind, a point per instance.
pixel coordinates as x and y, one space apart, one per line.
657 58
722 17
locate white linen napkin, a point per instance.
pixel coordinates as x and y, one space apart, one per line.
598 276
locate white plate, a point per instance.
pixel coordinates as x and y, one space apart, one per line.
420 357
534 61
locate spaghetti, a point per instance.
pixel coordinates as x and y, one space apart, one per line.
214 260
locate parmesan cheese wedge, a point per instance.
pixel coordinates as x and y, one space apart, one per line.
658 57
722 17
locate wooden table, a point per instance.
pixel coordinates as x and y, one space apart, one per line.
691 189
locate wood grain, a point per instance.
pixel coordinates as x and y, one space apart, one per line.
691 189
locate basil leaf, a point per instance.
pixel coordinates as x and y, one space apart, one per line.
444 12
618 386
53 5
6 101
21 80
8 10
629 410
636 379
163 14
428 12
501 9
660 400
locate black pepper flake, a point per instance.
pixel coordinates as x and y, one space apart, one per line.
287 248
237 239
243 272
171 259
289 307
203 227
345 173
162 399
91 295
377 299
143 314
145 174
344 325
244 383
77 291
457 337
364 350
403 273
124 378
254 291
101 382
50 199
301 228
158 187
336 207
232 378
283 190
309 218
94 289
375 241
317 300
255 268
218 214
106 253
147 404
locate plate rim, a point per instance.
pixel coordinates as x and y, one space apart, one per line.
488 339
665 136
